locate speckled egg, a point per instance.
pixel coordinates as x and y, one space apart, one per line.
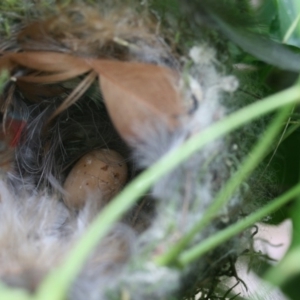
97 176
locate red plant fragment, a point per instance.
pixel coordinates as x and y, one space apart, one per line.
13 131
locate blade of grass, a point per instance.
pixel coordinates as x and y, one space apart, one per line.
8 293
297 29
58 281
291 29
222 236
251 161
289 132
288 17
283 135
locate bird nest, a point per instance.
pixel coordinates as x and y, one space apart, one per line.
97 101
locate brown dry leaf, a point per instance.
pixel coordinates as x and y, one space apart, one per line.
46 79
64 67
46 61
136 94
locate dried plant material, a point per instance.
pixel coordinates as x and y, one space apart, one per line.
13 131
87 31
52 78
44 68
76 93
137 94
10 136
134 93
97 176
46 61
6 102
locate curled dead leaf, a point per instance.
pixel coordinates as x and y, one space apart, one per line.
137 94
46 61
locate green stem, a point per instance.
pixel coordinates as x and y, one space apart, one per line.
58 281
8 293
290 131
224 235
233 183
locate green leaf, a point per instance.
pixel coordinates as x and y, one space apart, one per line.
291 288
289 18
237 29
8 293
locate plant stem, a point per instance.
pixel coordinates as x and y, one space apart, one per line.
224 235
56 284
233 183
8 293
290 131
294 27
